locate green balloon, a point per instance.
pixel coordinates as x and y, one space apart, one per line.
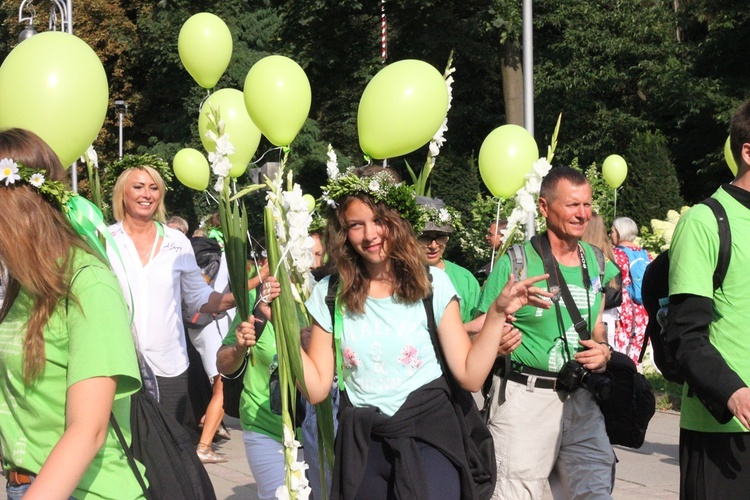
310 201
506 156
191 168
277 97
729 157
401 109
54 85
614 170
242 132
205 47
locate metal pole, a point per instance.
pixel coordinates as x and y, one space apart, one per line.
121 134
68 16
528 87
528 68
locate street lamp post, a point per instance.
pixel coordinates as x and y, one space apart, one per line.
121 107
61 11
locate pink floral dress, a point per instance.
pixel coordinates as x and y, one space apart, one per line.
632 320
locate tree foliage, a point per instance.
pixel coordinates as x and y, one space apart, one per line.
653 80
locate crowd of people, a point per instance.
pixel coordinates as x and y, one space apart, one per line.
74 321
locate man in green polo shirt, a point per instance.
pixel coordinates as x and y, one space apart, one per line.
543 432
708 329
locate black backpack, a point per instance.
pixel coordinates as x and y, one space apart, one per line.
656 286
208 256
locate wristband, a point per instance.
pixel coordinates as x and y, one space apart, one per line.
611 349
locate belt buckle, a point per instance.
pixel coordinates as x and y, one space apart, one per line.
19 478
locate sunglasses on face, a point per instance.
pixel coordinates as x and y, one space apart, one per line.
425 241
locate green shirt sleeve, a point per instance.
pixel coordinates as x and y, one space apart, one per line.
100 340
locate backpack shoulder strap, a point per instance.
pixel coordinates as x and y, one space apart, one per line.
601 261
333 283
337 322
517 256
725 240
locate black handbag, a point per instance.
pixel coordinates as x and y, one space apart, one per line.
478 443
163 446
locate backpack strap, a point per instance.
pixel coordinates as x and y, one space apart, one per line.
601 261
517 256
337 320
725 240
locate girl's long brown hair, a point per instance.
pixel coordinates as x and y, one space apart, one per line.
36 245
410 280
596 234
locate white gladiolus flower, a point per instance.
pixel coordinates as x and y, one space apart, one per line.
223 146
332 165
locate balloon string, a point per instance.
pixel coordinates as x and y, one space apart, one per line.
497 223
264 154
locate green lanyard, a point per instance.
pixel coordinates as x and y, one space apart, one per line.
338 328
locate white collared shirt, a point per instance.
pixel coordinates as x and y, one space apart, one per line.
154 293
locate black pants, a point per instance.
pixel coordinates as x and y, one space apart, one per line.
714 465
441 475
175 399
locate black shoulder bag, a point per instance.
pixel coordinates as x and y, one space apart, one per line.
478 443
631 404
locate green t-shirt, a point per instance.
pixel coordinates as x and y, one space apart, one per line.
692 260
92 340
255 402
542 346
467 287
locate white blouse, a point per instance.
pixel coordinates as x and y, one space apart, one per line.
155 292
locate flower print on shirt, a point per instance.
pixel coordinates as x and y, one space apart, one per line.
410 357
351 360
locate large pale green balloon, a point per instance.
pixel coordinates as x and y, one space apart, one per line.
614 170
277 97
242 132
54 85
205 47
506 156
401 109
191 168
729 157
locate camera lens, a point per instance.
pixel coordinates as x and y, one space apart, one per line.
600 386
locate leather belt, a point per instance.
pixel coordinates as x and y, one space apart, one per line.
539 382
20 477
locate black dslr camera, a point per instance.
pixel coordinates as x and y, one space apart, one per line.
573 375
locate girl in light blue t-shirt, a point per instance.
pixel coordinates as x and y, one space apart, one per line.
397 431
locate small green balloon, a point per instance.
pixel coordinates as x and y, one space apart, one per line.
506 156
54 85
278 96
310 200
191 168
729 157
242 132
614 170
401 109
205 48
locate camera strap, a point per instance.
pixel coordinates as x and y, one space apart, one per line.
542 245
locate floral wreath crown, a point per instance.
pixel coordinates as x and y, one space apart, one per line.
55 191
380 187
84 216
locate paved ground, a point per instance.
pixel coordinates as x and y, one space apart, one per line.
650 472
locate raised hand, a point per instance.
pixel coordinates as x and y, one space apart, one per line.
516 295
